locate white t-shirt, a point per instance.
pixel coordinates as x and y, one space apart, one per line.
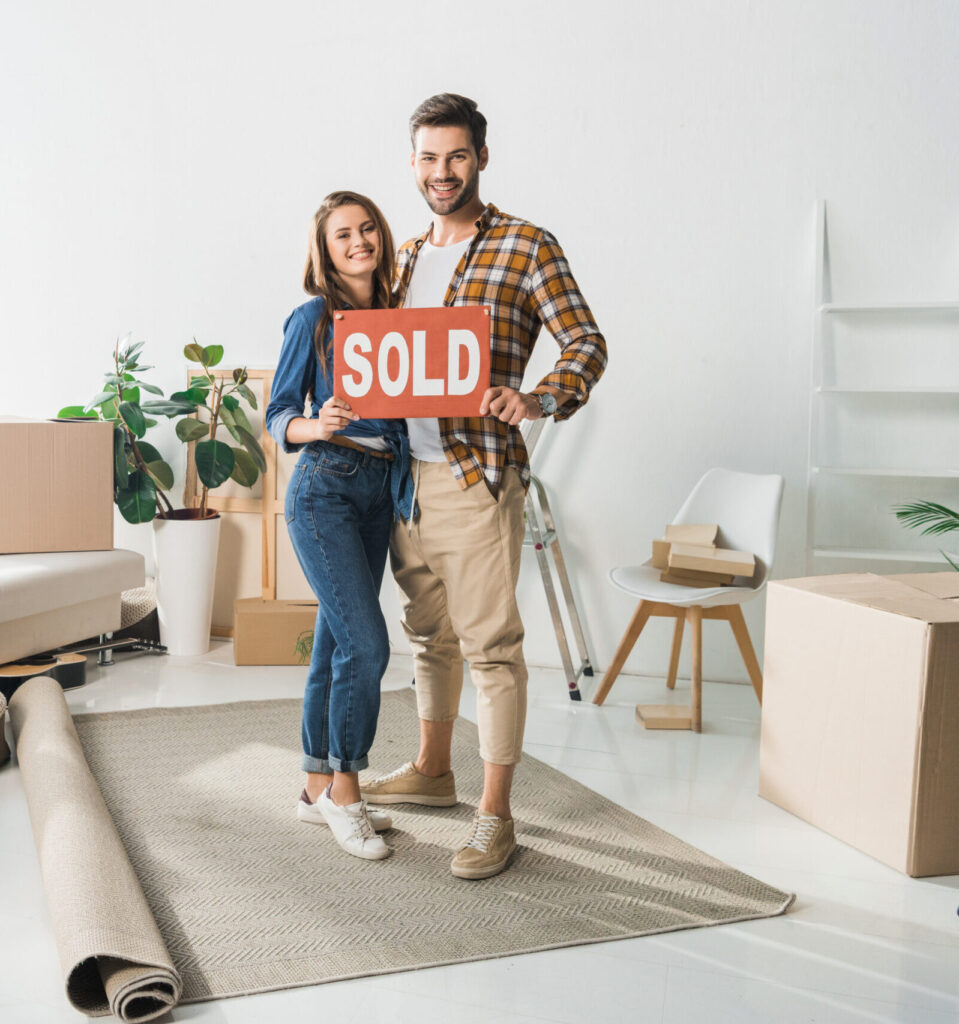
432 273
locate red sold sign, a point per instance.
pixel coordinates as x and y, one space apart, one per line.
412 362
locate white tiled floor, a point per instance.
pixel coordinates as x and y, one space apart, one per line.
862 943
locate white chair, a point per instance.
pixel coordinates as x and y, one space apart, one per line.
746 507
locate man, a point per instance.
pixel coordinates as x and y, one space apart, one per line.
456 564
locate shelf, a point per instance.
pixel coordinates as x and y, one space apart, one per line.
881 555
884 389
909 474
895 307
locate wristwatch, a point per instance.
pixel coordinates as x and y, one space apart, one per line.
547 402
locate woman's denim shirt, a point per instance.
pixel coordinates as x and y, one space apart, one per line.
298 373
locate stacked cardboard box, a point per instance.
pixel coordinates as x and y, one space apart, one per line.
58 485
687 555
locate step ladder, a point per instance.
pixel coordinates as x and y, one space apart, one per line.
541 536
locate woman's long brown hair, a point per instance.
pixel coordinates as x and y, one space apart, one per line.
320 278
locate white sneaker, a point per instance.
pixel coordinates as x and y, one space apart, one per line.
306 810
351 828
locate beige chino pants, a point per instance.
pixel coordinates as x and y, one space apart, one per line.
456 571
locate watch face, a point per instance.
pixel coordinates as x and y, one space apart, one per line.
547 403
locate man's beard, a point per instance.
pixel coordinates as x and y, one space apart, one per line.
465 196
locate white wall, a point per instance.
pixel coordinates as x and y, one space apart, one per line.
160 162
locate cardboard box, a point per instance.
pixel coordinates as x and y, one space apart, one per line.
693 533
57 485
693 578
273 632
717 560
861 713
682 533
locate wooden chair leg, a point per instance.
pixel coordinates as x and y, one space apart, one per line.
635 627
694 616
674 654
741 633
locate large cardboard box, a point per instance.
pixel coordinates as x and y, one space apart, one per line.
57 485
273 632
861 713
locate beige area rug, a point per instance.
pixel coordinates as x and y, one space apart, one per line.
249 899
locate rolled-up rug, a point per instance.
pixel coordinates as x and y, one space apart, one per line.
113 957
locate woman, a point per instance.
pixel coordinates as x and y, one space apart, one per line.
338 511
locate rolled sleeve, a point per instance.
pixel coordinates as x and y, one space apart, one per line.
295 372
561 308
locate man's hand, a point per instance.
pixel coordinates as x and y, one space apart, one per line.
510 406
334 415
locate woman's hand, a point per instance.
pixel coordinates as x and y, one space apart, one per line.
335 414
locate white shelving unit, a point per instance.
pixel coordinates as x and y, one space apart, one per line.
821 556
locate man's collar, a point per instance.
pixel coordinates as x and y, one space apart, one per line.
481 223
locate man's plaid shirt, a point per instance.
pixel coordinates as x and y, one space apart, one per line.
521 273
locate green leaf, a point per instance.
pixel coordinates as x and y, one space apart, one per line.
231 403
112 378
253 447
239 417
168 408
240 376
131 415
133 349
99 399
248 395
131 395
191 430
161 474
149 453
214 462
200 382
244 469
149 422
195 395
121 471
212 354
137 501
228 421
934 517
194 352
152 388
76 412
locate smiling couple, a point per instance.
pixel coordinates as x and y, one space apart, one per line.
445 497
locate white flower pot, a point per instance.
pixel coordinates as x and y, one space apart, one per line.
185 551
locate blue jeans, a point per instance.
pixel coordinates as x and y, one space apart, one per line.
338 512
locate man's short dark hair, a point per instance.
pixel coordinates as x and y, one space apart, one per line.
447 109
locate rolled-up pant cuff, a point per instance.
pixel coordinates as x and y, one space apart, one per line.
339 765
316 765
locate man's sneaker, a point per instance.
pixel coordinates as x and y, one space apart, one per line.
407 786
306 810
351 828
489 847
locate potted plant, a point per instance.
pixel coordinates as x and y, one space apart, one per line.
185 539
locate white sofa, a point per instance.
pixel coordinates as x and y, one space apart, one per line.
56 598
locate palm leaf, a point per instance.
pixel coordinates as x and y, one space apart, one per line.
934 518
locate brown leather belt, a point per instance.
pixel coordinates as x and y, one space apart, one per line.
345 442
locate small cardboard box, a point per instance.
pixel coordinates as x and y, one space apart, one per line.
697 558
692 533
273 632
861 713
57 485
682 533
